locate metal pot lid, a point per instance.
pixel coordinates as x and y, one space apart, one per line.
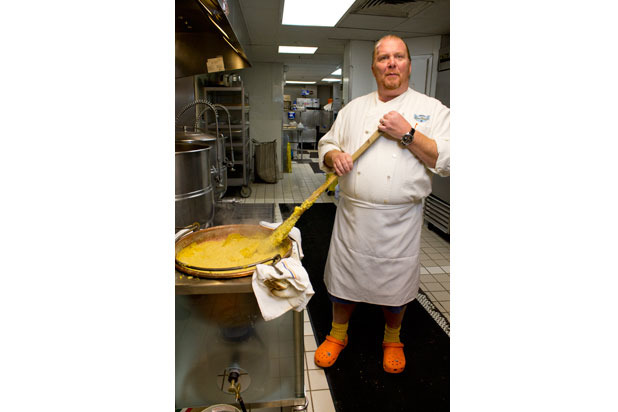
221 408
189 136
185 146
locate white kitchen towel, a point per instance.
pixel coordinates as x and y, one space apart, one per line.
294 234
288 272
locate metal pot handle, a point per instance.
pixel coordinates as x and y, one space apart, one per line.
193 227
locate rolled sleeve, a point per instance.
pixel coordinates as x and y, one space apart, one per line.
322 150
329 142
442 137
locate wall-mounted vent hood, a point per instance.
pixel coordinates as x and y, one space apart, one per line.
204 32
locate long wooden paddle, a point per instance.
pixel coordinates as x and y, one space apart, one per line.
284 229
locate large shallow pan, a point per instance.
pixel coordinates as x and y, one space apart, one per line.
220 233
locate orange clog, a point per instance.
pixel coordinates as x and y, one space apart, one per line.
329 351
394 360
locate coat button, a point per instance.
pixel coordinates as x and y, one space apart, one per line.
366 131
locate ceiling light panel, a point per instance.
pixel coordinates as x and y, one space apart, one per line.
336 72
297 50
324 13
329 79
298 82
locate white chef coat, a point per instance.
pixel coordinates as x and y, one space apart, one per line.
374 250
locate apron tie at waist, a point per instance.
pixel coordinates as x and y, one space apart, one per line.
368 205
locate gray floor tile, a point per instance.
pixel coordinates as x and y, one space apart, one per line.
317 379
441 296
310 356
425 278
433 286
310 343
322 401
308 329
442 277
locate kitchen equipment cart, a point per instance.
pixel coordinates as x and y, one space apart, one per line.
236 100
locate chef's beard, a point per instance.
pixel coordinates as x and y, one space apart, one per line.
392 84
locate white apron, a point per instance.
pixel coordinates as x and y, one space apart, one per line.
374 252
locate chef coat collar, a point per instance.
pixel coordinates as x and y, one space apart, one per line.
396 100
379 108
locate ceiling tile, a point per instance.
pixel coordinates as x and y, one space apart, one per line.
370 22
433 20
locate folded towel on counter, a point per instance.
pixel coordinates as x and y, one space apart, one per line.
294 235
281 287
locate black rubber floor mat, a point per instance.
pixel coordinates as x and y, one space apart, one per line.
245 213
316 168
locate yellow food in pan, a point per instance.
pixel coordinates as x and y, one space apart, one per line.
239 250
235 250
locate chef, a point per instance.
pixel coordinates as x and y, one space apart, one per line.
374 249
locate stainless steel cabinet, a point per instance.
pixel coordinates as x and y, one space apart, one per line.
326 121
219 328
310 120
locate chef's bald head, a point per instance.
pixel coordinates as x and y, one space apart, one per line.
388 36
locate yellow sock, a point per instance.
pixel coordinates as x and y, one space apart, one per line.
339 330
391 335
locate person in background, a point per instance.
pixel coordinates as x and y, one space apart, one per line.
374 248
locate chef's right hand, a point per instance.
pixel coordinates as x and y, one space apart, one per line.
342 162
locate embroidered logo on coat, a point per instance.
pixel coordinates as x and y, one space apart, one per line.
421 117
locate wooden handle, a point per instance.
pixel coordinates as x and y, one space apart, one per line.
355 156
314 196
366 145
283 229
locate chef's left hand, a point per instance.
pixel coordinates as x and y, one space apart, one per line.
394 125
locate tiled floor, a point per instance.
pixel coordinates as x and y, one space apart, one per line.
435 268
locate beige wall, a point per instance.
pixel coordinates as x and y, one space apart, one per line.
264 83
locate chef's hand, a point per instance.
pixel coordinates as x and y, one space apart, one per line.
394 125
340 161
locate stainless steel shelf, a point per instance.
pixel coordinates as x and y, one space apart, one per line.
235 127
235 99
223 89
237 107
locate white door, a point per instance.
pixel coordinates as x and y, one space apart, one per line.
420 79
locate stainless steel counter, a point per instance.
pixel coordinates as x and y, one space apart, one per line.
187 285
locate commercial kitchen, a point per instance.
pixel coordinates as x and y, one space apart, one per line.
257 84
